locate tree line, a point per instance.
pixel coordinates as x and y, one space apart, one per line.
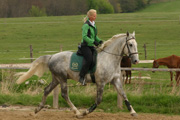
25 8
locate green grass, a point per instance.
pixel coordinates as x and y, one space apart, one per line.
170 6
162 104
48 33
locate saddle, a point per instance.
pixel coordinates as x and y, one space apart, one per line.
76 63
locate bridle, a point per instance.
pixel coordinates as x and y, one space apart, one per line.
130 54
122 54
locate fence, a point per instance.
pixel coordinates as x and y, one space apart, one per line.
146 51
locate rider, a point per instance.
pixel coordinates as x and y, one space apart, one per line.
89 39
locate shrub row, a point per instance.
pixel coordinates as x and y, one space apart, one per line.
23 8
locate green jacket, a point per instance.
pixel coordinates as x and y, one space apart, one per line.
89 34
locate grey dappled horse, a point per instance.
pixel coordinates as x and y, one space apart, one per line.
107 71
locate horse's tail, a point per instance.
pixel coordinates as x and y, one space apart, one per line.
38 67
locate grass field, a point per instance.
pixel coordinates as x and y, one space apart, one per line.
46 34
170 6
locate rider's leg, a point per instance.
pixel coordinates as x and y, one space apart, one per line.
87 54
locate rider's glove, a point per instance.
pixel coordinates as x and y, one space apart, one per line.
96 43
101 42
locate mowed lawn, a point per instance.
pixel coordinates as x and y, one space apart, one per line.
46 34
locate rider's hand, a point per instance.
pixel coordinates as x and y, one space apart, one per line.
96 43
101 42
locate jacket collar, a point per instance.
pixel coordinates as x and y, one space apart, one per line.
92 23
88 22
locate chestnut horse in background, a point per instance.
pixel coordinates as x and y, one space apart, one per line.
172 61
126 62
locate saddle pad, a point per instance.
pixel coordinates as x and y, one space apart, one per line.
76 63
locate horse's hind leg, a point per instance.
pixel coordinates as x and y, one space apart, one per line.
177 78
100 89
120 91
47 90
64 94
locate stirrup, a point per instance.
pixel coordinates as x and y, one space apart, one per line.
82 80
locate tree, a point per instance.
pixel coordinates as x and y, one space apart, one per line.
116 5
102 6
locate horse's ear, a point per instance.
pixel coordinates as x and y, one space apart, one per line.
133 34
127 33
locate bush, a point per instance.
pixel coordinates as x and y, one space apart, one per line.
105 7
128 5
102 6
133 5
141 4
37 12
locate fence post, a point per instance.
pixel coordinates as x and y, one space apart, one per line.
145 51
155 50
119 97
60 48
31 53
119 101
56 97
56 93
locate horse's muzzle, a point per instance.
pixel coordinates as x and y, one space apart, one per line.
135 62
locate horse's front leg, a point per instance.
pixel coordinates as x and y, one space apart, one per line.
171 75
129 77
100 89
126 77
118 85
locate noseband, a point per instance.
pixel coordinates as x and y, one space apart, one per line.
130 54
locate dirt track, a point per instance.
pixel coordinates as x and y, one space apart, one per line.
26 113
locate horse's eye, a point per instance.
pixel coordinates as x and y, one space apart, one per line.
130 45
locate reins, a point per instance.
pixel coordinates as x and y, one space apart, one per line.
111 53
130 54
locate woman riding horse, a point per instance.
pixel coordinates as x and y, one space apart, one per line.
89 39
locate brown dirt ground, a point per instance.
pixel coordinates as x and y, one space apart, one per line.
26 113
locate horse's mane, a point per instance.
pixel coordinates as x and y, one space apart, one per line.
106 43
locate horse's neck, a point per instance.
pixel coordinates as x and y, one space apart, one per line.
163 61
116 47
113 57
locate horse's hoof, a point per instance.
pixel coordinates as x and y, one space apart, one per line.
79 116
134 114
36 110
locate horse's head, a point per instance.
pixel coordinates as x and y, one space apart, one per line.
123 44
155 64
131 48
